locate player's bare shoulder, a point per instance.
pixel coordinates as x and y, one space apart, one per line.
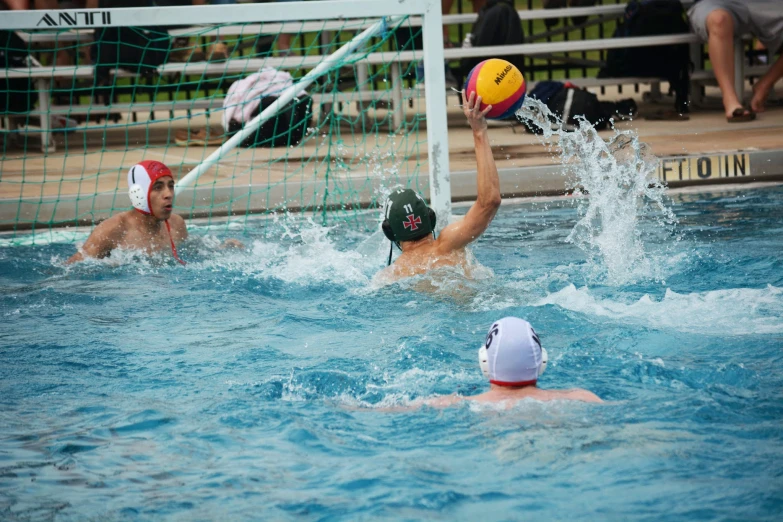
106 236
179 229
112 229
578 394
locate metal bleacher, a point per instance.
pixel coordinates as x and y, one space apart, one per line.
44 76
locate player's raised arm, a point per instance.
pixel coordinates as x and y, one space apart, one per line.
481 213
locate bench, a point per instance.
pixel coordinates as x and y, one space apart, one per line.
43 76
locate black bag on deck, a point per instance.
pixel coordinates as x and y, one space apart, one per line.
498 23
287 128
670 62
568 101
16 94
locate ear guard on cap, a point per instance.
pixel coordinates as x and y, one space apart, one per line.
484 361
137 193
389 233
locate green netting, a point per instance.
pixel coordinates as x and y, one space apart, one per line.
112 98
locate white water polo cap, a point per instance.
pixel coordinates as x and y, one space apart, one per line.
512 354
141 177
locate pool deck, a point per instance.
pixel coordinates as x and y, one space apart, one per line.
527 167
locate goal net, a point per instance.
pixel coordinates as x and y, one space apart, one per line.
257 108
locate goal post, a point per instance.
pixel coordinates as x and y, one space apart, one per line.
66 152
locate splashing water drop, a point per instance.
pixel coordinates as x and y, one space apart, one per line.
625 224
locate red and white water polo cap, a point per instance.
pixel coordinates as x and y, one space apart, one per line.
512 354
141 177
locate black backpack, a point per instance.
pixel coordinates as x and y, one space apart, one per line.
498 23
287 128
567 102
670 62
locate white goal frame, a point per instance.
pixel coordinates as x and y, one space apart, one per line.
382 10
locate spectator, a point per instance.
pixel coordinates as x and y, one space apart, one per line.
446 6
498 24
284 39
217 50
718 22
562 4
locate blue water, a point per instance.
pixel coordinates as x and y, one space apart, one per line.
251 385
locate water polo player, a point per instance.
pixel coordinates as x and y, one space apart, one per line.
409 222
151 226
513 360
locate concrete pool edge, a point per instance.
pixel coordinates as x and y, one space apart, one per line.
738 167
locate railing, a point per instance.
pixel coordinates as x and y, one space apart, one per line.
45 75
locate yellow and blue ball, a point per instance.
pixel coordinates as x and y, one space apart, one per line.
500 84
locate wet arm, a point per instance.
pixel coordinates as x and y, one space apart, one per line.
481 213
100 243
583 395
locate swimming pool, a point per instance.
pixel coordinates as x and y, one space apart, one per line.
247 385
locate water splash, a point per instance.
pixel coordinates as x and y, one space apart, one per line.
306 253
737 311
626 213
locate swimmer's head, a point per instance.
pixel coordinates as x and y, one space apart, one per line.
512 354
148 192
408 218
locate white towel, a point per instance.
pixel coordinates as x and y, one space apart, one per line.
244 96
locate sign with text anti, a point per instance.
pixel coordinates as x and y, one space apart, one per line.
697 168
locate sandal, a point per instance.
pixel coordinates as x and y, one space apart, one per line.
741 115
184 138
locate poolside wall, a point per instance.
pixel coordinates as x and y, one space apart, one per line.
675 171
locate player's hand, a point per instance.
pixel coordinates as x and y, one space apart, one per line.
232 244
471 108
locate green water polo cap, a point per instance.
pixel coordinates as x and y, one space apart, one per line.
408 217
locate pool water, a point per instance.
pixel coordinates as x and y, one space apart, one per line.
253 385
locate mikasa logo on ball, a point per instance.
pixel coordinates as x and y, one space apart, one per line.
503 74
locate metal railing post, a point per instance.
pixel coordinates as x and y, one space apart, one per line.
739 69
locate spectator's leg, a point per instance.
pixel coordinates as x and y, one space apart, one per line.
284 40
446 9
17 5
284 43
478 4
720 29
762 87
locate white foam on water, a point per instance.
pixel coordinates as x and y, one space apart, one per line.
625 213
304 254
738 311
47 237
398 389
